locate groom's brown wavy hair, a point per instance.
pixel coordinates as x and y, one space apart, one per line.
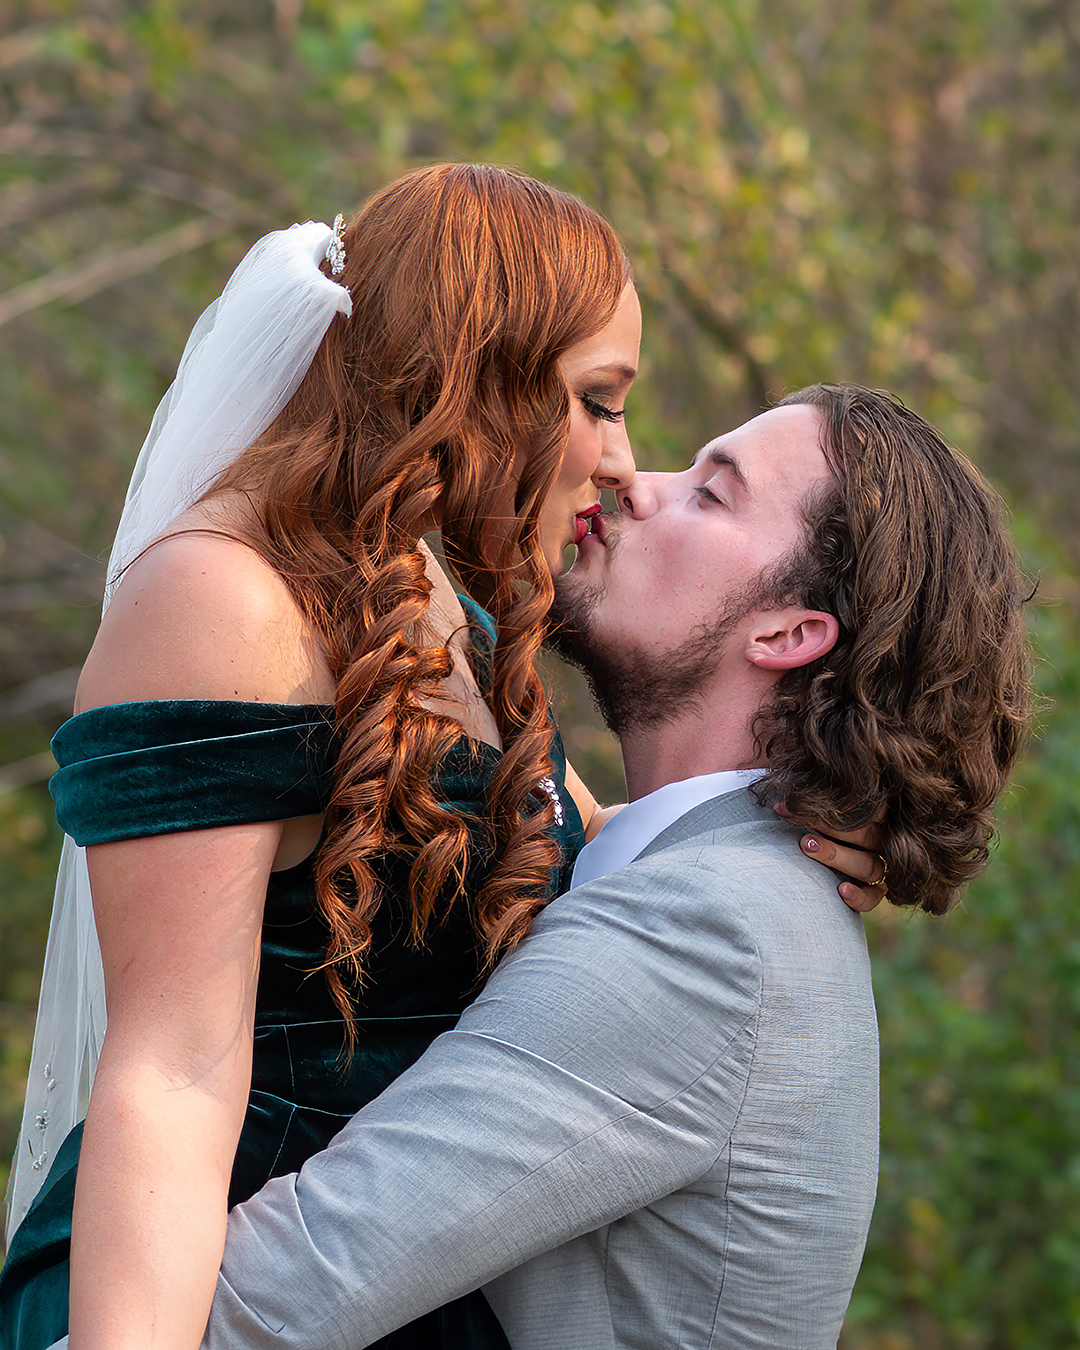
442 390
916 716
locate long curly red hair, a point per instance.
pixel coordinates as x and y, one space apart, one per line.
441 394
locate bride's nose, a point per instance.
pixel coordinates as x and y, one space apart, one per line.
616 468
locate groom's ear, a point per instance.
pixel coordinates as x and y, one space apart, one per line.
783 639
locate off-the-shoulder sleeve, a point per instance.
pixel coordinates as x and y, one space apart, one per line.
136 769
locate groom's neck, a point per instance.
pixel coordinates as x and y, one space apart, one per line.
698 738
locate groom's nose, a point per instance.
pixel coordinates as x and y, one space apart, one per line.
643 497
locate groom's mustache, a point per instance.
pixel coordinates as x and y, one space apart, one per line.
609 526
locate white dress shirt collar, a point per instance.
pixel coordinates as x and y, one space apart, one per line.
639 822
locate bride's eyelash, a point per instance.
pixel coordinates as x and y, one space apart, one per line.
707 494
595 408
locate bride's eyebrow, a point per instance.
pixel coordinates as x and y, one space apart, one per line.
616 372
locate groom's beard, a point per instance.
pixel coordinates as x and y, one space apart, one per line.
638 688
633 688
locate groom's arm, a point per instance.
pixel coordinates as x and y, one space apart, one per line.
602 1067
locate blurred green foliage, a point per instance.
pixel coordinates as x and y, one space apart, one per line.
976 1235
839 189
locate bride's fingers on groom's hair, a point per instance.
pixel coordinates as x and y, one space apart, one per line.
861 898
865 838
857 863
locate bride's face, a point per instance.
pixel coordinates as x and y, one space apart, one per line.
598 372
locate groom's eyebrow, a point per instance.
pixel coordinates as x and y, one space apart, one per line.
720 459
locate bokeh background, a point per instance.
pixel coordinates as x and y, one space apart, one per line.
878 190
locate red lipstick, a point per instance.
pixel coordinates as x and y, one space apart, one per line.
583 522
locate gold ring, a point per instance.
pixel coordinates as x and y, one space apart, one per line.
884 873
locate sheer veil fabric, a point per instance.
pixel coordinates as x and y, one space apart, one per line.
244 360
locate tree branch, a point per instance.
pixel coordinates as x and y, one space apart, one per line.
725 333
106 267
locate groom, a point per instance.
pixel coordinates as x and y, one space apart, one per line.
657 1125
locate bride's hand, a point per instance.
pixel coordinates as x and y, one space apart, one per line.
853 852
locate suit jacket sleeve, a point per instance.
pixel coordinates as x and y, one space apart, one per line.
602 1067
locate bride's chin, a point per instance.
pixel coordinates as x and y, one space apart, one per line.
583 552
559 558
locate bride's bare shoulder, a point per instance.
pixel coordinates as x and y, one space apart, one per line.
203 615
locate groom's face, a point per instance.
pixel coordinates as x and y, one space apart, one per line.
670 581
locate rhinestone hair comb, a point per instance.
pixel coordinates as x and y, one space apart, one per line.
335 252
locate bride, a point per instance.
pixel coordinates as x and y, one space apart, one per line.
318 799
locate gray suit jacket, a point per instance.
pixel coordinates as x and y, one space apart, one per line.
657 1126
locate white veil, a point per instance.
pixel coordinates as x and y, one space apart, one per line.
244 360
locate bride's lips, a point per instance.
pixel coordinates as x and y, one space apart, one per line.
583 522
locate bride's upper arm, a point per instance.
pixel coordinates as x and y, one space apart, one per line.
202 616
593 815
585 802
178 915
178 919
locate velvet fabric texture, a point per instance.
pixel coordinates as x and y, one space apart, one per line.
159 768
140 769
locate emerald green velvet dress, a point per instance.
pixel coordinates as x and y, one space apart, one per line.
140 769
